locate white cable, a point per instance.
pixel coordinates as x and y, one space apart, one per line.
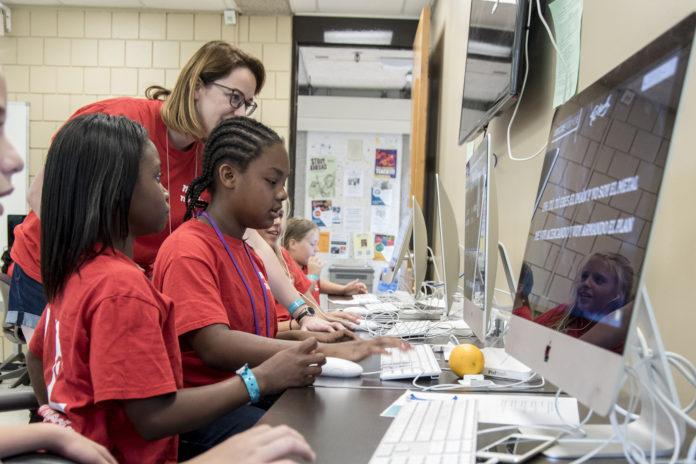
548 31
691 454
687 370
524 84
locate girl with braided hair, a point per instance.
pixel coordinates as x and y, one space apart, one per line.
225 313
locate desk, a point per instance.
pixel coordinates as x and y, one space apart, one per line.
342 423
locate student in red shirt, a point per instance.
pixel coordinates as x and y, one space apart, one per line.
302 283
218 82
107 361
225 313
300 239
601 302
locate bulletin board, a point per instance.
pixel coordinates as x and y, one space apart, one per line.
353 193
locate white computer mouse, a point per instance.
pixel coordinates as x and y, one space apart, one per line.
359 310
338 367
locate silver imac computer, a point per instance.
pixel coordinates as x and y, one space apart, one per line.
412 230
480 239
449 244
576 322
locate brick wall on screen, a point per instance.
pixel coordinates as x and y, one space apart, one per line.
61 59
635 143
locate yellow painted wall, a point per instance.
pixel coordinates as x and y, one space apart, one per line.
611 32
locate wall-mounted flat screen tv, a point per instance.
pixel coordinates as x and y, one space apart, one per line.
494 62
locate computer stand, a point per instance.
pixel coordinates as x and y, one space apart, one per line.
653 424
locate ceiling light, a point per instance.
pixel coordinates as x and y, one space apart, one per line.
358 37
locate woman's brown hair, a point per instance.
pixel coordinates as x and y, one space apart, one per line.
212 61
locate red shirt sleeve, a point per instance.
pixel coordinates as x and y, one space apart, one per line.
141 371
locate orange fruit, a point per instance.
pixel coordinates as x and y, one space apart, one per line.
466 359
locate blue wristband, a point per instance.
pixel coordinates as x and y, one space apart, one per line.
295 304
313 277
250 382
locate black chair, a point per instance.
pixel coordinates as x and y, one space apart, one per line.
14 366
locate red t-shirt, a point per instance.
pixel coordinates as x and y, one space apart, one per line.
109 337
179 168
299 280
194 269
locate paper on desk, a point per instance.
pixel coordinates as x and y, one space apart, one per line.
504 409
567 22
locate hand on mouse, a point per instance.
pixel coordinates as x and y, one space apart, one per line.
361 349
292 367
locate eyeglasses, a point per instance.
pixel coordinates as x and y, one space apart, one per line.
237 99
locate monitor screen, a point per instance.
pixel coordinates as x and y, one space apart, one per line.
590 230
494 62
412 232
449 244
401 246
480 239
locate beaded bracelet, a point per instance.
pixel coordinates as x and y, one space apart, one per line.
313 277
295 304
250 381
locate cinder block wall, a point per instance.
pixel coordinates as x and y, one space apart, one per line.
59 59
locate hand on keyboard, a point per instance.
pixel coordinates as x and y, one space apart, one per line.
343 317
359 350
355 287
343 335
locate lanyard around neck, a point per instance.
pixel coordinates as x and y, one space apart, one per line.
239 271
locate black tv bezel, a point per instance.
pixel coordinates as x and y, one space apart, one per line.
515 83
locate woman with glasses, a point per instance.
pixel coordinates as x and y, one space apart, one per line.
218 82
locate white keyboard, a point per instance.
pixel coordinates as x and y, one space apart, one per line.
406 329
418 362
431 432
365 298
381 308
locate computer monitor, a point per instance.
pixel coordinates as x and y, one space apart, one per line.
480 239
449 244
589 234
412 231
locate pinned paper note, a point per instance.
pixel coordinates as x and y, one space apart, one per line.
322 213
323 243
362 246
567 21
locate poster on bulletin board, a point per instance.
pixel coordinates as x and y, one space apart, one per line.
353 191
